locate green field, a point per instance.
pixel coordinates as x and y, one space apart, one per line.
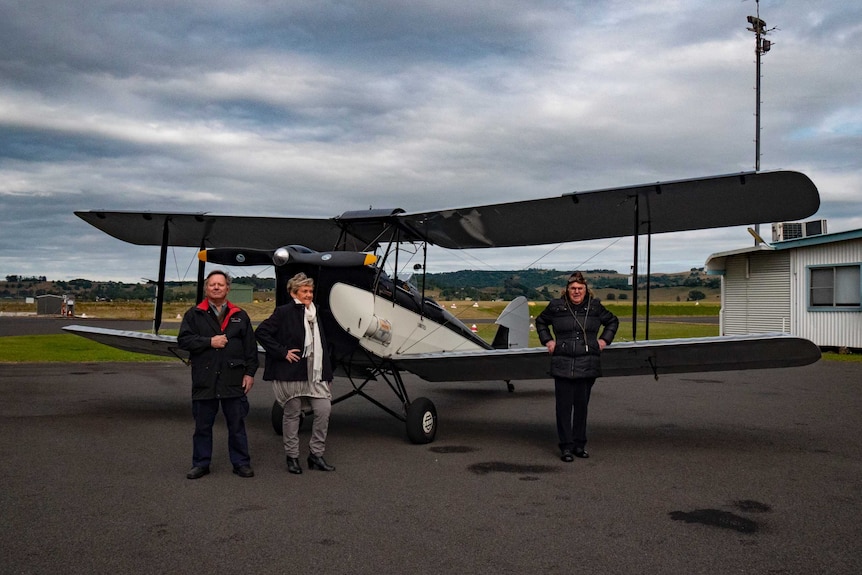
668 320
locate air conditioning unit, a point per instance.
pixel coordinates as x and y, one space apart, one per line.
795 230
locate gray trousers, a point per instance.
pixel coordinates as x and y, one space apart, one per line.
290 423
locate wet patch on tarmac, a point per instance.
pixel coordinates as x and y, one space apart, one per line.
751 506
502 467
716 518
452 449
328 542
703 380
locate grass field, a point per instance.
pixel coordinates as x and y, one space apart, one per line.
668 321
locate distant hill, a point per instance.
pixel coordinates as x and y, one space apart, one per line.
542 284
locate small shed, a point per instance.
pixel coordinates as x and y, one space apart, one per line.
240 293
49 304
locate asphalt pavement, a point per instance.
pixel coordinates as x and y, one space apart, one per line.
734 472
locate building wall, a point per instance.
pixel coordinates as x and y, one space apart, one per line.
768 292
49 304
825 328
240 293
756 293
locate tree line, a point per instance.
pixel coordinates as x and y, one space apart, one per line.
534 284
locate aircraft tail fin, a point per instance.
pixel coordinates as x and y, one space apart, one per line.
513 329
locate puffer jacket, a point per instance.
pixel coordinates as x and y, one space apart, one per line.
218 373
576 331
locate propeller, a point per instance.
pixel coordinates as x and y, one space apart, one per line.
281 256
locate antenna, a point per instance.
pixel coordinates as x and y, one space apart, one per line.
761 46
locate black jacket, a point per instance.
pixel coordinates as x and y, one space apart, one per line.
285 330
218 373
576 354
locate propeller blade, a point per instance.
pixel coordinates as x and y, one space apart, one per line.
281 256
323 259
236 257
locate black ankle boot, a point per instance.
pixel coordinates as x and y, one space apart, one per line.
293 465
317 462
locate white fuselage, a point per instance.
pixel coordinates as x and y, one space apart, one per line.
387 329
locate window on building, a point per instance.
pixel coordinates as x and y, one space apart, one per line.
835 286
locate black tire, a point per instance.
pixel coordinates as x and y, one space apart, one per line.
277 418
421 420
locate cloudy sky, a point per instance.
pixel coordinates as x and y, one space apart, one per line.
310 108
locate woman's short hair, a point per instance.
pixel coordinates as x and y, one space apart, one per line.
297 281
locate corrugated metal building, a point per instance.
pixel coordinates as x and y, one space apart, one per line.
809 287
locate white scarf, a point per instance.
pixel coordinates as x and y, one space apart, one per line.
313 347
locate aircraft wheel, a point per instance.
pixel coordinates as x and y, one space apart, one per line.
421 420
277 418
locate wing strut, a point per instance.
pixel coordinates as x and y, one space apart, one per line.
208 226
648 271
199 294
635 270
636 235
160 285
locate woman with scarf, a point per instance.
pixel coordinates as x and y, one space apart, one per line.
297 363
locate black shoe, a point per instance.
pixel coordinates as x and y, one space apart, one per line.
197 472
317 462
243 471
293 465
580 452
567 456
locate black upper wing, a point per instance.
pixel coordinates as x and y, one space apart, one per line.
701 203
682 205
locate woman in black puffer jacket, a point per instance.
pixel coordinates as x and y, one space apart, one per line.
575 347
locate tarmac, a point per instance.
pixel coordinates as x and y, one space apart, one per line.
731 472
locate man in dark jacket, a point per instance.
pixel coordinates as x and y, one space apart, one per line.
220 339
575 347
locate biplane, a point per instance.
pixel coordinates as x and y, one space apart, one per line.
380 326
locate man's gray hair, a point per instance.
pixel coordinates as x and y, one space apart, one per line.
218 273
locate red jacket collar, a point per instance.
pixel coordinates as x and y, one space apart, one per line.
231 309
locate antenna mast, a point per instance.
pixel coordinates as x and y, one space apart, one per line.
761 46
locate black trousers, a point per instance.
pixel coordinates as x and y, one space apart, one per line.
204 411
572 398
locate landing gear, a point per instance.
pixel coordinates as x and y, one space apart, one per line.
419 415
421 420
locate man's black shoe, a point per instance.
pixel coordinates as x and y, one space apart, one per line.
579 452
243 471
197 472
